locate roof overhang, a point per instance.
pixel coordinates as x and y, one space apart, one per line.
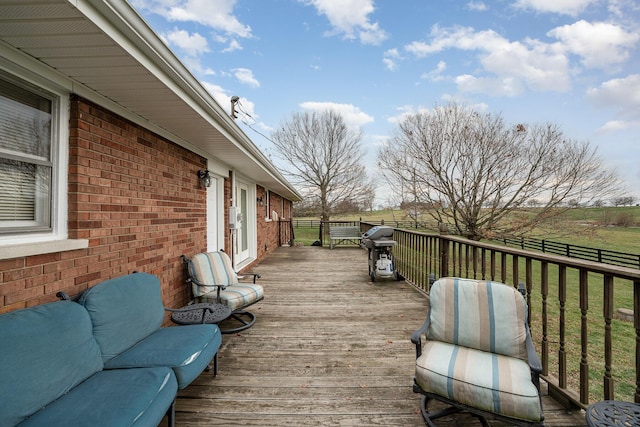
111 56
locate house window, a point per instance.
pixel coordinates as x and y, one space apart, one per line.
26 160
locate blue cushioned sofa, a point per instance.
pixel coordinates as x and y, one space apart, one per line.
104 360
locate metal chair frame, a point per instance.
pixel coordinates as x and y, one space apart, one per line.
246 319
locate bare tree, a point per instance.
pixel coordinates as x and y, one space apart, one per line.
324 157
623 200
480 174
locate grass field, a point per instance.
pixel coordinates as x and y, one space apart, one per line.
591 227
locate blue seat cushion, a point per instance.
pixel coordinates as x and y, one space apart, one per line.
121 397
45 351
187 349
124 310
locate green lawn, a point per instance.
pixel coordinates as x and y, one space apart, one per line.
589 225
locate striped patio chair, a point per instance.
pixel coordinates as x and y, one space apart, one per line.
478 355
213 280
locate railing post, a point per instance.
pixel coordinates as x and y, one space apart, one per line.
636 325
444 257
544 290
584 336
528 278
607 312
562 353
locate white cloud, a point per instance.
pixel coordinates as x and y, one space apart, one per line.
435 75
245 108
407 110
618 125
233 46
599 44
218 92
623 9
478 6
391 58
622 94
531 63
564 7
245 76
194 44
507 86
351 18
351 114
217 14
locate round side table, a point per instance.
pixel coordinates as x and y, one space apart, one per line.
613 413
200 313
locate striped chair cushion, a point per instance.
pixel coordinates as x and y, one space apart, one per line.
237 296
213 269
210 270
488 316
487 381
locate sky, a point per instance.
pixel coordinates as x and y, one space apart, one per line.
574 63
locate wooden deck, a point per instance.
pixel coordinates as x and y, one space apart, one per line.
329 348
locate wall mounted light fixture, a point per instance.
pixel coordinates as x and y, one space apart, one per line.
205 178
260 201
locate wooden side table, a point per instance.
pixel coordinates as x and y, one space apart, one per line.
613 413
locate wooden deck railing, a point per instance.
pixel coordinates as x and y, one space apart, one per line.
587 352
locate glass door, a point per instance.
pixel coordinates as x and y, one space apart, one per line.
242 233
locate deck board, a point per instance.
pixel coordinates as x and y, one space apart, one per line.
329 348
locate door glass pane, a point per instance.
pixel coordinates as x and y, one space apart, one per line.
244 244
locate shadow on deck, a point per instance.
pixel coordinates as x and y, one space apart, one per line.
329 348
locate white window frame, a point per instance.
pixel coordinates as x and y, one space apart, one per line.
30 76
267 205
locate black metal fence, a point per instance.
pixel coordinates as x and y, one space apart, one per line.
574 251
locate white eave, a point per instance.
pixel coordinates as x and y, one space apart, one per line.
112 57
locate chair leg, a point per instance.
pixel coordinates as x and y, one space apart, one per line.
246 320
215 365
171 414
428 416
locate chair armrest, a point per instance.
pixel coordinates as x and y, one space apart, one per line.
416 337
534 360
255 276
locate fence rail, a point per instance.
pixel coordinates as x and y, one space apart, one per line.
581 252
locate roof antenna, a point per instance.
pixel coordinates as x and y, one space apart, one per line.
234 101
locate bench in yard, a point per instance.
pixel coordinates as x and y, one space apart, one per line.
344 234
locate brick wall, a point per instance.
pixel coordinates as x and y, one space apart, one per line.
267 229
135 196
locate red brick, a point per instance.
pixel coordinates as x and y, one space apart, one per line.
135 197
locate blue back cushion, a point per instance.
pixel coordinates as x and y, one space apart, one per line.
124 311
45 351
